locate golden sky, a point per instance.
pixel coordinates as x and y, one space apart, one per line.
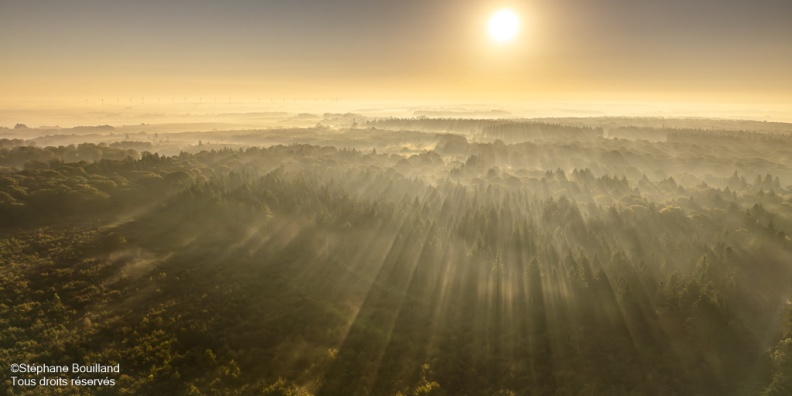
675 50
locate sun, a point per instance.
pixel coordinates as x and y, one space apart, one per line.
504 25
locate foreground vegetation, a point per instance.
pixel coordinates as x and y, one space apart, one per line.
511 258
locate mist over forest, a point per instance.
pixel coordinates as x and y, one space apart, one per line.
437 252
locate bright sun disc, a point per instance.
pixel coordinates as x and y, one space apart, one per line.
503 25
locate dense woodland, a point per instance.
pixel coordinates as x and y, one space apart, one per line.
408 257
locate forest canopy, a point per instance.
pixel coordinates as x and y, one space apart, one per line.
404 256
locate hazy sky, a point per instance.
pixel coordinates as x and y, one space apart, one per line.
739 50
